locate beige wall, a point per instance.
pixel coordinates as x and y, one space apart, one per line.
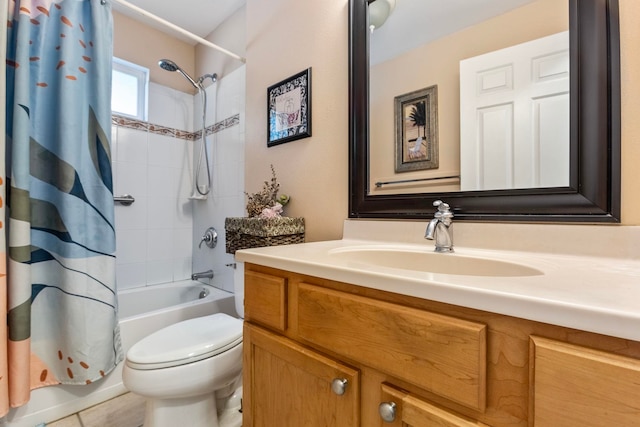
230 35
285 37
630 62
314 170
144 45
438 64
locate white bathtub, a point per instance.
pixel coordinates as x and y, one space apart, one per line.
142 311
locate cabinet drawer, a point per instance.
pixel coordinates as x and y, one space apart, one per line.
413 411
442 354
579 386
265 300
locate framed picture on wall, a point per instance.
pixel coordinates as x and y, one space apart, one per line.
289 109
416 116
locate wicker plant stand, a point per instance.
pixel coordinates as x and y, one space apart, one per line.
243 233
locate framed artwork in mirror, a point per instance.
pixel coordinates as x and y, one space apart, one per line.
416 117
289 109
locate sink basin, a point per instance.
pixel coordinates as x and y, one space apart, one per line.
431 262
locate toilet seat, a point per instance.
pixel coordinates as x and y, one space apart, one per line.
186 342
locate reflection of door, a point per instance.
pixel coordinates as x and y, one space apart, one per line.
514 116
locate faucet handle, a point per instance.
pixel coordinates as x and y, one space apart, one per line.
442 206
444 211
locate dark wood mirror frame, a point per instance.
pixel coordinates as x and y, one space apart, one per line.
594 191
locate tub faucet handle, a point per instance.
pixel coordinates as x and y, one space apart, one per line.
210 237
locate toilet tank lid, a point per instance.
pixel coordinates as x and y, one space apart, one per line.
188 340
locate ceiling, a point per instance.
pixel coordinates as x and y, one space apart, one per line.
416 22
199 17
412 23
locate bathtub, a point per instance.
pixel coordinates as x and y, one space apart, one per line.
142 310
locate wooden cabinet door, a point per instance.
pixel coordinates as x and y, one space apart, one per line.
574 386
288 385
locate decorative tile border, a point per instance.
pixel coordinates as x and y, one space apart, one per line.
130 123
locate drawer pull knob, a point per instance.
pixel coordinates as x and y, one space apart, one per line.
339 386
387 411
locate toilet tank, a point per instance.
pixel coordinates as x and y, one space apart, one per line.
238 288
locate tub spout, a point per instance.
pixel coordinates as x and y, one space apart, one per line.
202 275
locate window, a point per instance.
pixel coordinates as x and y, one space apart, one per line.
129 88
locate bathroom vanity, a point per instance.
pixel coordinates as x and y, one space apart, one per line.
331 340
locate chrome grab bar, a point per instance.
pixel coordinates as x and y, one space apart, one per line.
125 199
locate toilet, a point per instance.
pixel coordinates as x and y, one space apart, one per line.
190 373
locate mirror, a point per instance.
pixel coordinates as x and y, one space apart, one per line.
592 192
501 117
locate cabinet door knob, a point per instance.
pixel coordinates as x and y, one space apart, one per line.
339 386
387 411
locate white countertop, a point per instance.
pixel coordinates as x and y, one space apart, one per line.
592 293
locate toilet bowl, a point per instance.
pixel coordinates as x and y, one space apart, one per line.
189 373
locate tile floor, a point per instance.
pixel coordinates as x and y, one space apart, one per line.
126 410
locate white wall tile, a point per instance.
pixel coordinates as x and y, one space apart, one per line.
182 243
159 272
185 166
161 182
152 168
182 268
157 236
184 214
132 179
159 246
164 150
132 145
131 246
133 216
212 113
161 213
184 111
170 108
131 275
227 197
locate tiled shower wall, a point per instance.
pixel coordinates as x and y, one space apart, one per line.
153 161
227 198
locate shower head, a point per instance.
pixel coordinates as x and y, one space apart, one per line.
169 65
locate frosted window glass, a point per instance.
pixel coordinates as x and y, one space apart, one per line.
129 89
124 95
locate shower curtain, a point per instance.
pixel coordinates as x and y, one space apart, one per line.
59 226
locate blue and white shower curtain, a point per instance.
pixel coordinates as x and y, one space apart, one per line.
62 316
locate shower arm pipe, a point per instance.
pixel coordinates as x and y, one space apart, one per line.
180 30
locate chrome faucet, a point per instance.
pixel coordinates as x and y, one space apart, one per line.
440 227
202 275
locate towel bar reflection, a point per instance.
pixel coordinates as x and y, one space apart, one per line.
124 200
405 181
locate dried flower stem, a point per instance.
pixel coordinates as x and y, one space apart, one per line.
266 198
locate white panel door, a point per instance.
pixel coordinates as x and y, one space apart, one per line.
514 116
